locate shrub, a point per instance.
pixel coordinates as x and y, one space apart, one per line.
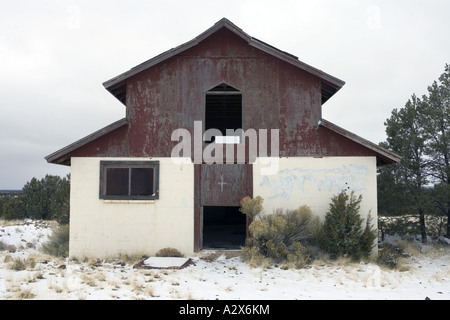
169 252
388 256
58 244
391 255
404 226
19 264
11 248
251 207
8 258
278 237
342 233
253 257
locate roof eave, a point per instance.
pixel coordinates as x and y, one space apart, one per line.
335 82
62 156
384 156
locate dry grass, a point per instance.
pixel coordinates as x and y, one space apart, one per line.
89 279
18 222
19 264
7 223
437 251
25 294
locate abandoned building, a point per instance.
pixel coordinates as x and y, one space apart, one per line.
155 179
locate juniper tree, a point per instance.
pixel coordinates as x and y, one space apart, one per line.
47 198
343 234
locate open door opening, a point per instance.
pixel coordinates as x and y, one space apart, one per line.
224 228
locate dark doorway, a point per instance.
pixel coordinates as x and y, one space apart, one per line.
223 228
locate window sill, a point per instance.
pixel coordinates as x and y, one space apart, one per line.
129 201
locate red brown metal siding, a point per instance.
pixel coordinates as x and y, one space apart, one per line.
276 95
333 144
112 144
170 95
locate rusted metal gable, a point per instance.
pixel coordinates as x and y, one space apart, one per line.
330 84
173 94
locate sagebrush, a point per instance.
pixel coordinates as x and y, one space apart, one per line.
58 243
278 237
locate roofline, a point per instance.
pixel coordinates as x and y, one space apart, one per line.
62 153
387 156
335 82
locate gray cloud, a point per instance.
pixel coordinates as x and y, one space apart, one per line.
56 54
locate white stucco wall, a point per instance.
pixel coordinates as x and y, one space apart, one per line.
104 228
293 182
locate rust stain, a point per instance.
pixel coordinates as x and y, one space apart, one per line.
171 95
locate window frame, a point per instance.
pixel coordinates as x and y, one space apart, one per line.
225 89
105 164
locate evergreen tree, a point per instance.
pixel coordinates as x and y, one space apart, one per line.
420 133
436 112
405 136
47 198
392 198
342 233
11 207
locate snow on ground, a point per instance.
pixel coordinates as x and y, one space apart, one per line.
49 278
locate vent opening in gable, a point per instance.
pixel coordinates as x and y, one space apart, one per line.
223 110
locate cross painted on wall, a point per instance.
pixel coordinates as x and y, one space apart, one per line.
221 183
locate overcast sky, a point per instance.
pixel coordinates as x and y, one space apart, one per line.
55 55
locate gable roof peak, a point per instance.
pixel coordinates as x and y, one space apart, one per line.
332 83
224 23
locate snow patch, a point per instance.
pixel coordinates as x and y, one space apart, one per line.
427 275
166 262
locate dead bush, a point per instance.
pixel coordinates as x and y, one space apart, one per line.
19 264
11 248
169 252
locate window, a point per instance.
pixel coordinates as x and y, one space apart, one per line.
223 110
129 180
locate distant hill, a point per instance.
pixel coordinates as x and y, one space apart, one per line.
10 192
